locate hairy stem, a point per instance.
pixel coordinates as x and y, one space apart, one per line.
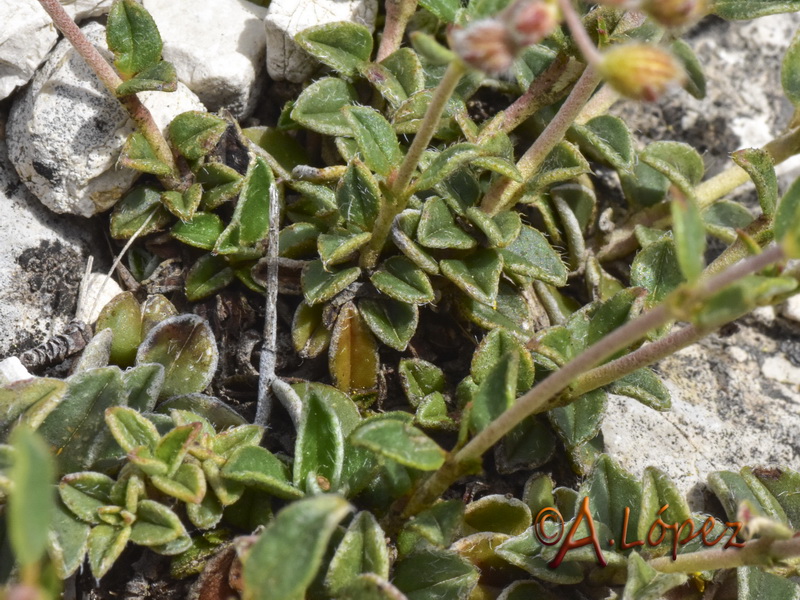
623 241
579 34
502 193
137 111
398 13
398 192
545 395
764 551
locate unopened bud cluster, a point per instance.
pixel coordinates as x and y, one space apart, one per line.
491 45
641 71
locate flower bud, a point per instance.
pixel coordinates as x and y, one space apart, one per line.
675 13
491 45
484 45
640 71
530 21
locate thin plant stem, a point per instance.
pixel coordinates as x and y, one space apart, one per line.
397 191
138 112
643 357
623 241
598 105
545 395
398 13
541 92
502 193
579 34
269 352
763 551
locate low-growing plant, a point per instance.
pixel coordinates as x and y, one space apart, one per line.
414 207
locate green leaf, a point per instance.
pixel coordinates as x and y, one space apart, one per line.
183 205
750 9
135 208
438 525
75 429
270 573
445 10
186 348
130 429
160 77
790 71
783 485
742 297
646 387
29 401
219 414
106 543
419 379
454 157
760 167
494 350
565 162
201 231
124 317
579 421
195 133
678 162
371 587
645 583
611 314
478 275
658 490
344 46
435 574
133 37
732 489
188 483
610 489
250 221
399 441
528 446
404 227
377 142
754 583
408 116
319 107
155 525
207 276
309 334
319 448
320 285
690 237
496 393
530 255
498 513
298 240
656 269
787 221
220 184
83 493
724 217
358 196
695 82
362 550
339 247
138 154
31 502
257 467
393 322
67 541
399 278
608 140
353 354
437 228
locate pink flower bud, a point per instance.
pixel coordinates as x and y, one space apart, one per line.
484 45
530 21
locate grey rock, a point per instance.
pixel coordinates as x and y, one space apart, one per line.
735 403
27 35
65 132
286 18
218 52
41 265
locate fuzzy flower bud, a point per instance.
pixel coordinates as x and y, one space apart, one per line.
675 13
640 71
491 45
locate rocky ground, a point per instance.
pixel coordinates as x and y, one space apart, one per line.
736 396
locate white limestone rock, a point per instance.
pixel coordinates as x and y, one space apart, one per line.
791 309
217 47
97 290
41 264
27 35
66 131
286 18
735 403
